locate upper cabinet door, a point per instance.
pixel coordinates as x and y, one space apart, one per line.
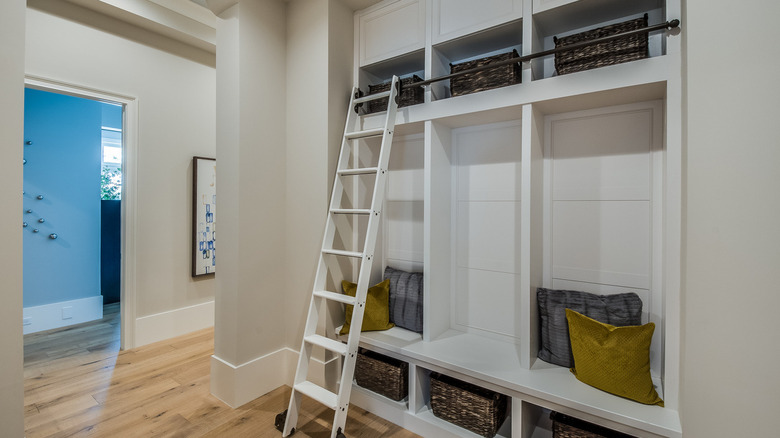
455 18
393 30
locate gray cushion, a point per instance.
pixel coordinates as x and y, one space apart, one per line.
618 310
406 299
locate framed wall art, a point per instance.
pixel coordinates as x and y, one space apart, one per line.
204 216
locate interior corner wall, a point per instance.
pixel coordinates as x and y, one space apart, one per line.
307 154
177 112
12 26
63 167
730 338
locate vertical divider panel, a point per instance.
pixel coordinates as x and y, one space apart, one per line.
532 255
428 52
438 237
531 43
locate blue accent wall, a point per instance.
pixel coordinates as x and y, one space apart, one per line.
63 165
112 115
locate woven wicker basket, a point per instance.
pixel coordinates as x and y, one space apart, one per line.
469 406
616 51
484 79
564 426
409 95
384 375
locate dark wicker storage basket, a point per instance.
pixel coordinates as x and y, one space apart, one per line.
471 407
485 79
564 426
384 375
409 95
616 51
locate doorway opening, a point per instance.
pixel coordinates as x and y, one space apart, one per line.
88 210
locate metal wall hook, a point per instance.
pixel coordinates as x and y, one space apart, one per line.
41 220
28 142
35 230
39 197
53 236
24 161
29 210
24 224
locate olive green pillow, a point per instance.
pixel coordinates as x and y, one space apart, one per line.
377 313
613 359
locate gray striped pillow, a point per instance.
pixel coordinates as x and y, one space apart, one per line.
406 299
618 310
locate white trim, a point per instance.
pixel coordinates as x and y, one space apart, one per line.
129 189
61 314
173 323
237 385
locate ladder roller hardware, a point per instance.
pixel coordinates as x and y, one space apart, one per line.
338 401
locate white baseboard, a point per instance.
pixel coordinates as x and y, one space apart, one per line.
166 325
62 314
237 385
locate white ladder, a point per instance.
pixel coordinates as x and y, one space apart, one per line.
339 402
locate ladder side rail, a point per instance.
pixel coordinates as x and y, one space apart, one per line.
353 340
312 317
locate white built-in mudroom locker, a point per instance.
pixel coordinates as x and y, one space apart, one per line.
561 181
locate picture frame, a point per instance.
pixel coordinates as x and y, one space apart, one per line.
204 204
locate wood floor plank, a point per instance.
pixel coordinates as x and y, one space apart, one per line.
78 384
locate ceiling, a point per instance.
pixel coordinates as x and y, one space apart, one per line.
355 5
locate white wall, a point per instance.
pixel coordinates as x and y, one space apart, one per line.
731 341
250 325
177 112
11 131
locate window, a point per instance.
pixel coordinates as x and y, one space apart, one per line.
111 164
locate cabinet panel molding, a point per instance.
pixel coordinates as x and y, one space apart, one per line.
395 29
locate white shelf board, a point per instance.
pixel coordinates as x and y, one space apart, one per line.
485 41
635 81
497 363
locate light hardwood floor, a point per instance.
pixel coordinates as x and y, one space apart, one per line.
78 384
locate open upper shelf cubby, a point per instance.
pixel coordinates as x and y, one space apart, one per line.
402 66
583 15
499 39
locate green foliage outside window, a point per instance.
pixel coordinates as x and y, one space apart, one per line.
111 183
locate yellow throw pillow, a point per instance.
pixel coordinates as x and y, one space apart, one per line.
613 359
377 313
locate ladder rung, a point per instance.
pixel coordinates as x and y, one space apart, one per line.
361 171
363 134
339 252
333 296
370 97
327 343
351 211
318 393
